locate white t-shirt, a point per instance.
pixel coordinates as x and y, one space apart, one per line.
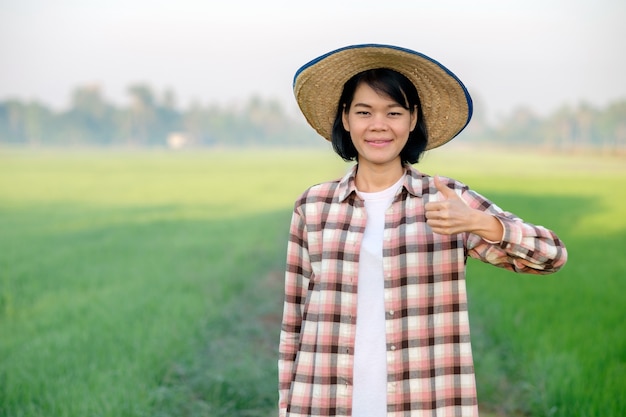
369 397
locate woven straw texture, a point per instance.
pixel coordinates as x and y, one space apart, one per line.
446 104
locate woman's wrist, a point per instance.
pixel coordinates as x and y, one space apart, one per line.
488 227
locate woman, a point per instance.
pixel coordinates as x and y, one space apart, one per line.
375 318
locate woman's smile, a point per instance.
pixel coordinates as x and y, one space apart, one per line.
378 143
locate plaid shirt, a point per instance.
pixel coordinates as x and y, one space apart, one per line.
429 359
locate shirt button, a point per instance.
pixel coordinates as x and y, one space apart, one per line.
391 313
393 347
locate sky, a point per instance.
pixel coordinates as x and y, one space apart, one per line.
538 54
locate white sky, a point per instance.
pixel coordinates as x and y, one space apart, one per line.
536 53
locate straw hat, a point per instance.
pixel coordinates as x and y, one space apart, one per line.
446 103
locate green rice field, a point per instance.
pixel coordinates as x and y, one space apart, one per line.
149 283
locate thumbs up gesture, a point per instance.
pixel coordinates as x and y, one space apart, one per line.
451 215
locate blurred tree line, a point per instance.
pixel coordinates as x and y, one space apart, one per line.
568 128
148 120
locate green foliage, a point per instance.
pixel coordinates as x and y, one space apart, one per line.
149 283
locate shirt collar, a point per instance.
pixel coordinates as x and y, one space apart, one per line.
414 182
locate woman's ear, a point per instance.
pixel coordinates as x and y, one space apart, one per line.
344 119
413 118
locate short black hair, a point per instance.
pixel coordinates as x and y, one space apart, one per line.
398 88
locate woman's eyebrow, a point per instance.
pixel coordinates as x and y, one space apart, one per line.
369 106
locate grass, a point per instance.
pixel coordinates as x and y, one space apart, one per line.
149 283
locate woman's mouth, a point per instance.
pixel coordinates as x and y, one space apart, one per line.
378 143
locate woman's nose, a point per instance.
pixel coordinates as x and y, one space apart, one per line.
378 122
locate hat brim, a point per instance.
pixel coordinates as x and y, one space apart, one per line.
446 103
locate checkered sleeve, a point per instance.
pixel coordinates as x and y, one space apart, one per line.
297 274
525 247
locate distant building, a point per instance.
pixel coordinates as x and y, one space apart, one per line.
177 140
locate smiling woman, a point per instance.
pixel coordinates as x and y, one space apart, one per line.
375 318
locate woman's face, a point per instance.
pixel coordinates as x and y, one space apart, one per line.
379 127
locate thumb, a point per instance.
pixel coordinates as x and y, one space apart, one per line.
446 191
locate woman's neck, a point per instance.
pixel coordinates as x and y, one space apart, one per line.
372 178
